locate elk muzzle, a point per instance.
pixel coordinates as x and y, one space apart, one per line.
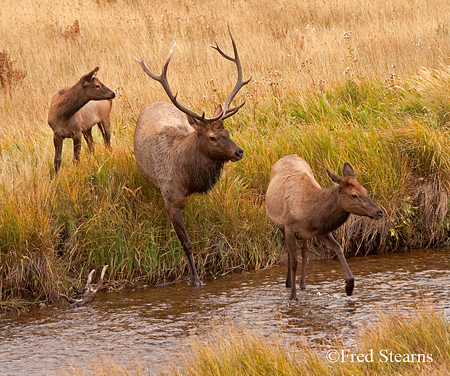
238 154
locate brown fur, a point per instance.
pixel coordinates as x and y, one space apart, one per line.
97 112
300 208
182 152
69 117
181 157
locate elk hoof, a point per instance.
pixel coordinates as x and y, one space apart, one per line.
350 283
197 283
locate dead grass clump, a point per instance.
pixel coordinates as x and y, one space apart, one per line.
431 198
72 31
33 275
9 75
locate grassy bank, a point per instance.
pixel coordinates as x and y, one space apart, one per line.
411 343
384 348
332 83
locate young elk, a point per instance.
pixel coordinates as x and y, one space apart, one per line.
71 115
300 208
182 152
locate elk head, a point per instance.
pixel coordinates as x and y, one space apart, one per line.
94 88
353 197
214 139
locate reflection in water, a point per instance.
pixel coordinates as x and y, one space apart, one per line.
152 326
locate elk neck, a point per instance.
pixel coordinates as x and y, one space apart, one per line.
329 213
200 172
71 100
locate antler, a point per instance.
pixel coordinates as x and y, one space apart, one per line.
162 79
226 112
239 84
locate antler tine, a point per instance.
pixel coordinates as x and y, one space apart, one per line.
89 279
239 84
162 79
99 283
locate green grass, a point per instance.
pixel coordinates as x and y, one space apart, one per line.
103 211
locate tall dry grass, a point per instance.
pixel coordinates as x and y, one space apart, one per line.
424 333
332 81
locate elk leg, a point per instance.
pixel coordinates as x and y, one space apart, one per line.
288 277
105 128
89 140
58 142
291 245
329 240
177 219
76 147
304 248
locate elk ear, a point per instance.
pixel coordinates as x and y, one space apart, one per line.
336 179
87 78
194 123
348 170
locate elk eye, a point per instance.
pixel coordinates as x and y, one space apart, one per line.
354 195
97 86
212 138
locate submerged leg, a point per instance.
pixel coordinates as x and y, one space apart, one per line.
329 240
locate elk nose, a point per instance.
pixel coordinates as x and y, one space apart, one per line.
380 213
239 153
113 95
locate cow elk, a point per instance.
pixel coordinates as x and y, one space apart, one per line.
182 152
73 112
301 209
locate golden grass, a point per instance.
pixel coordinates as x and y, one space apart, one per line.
385 347
330 81
305 42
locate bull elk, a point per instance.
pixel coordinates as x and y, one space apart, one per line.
182 152
300 208
72 114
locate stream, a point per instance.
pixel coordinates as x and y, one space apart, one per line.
153 327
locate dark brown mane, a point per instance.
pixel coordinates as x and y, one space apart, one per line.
332 216
203 175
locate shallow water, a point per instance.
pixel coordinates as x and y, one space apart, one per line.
151 327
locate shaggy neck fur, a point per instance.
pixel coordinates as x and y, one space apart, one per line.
330 213
201 172
70 102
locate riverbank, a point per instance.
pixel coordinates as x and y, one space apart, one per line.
375 108
392 345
